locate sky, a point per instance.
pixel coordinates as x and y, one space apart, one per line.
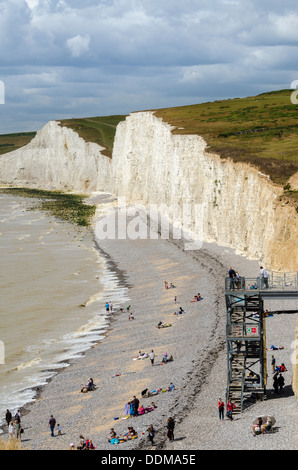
69 58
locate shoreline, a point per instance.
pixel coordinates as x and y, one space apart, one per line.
196 356
109 281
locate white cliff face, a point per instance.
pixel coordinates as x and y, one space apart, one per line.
150 165
241 207
57 158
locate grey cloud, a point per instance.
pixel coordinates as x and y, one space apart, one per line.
117 56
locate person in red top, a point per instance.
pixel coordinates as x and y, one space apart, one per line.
221 409
230 408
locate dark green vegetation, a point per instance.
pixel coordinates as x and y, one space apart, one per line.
10 142
261 130
68 207
100 130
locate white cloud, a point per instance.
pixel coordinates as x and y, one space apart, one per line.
32 3
137 54
78 45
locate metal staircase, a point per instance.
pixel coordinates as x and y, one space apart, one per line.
246 334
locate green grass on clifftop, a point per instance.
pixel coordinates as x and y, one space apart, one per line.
10 142
100 130
261 130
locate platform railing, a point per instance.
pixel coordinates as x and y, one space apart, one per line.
276 282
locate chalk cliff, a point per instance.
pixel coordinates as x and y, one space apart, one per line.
56 158
151 165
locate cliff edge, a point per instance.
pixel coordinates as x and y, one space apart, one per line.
239 206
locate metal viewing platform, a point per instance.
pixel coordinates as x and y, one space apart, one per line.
246 332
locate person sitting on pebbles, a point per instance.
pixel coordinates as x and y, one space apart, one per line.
131 434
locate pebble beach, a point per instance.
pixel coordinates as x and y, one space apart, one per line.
195 339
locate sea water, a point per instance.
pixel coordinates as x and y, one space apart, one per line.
53 286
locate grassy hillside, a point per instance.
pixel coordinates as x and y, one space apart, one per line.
100 130
10 142
261 130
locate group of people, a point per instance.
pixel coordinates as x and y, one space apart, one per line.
85 444
109 307
197 297
278 383
260 428
115 439
169 285
15 429
234 279
275 368
133 408
165 358
230 408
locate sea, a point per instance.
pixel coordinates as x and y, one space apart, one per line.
54 284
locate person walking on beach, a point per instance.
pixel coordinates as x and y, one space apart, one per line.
107 307
221 409
8 417
151 434
170 429
11 429
18 416
152 356
18 429
52 424
230 407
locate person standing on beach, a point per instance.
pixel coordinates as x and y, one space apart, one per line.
273 363
135 406
11 429
281 383
52 424
230 407
275 382
152 356
18 416
107 307
151 434
18 429
170 429
8 417
221 409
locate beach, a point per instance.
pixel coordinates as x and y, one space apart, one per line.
195 339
